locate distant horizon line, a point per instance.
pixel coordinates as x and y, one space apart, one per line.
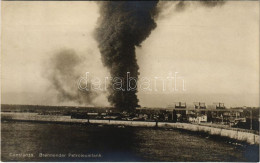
115 107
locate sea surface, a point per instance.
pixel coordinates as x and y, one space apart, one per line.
26 141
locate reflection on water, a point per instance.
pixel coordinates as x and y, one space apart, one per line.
21 140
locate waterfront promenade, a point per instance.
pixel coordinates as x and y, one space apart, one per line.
233 133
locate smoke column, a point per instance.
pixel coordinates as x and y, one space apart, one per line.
62 71
123 25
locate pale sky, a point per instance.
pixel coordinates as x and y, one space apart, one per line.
216 51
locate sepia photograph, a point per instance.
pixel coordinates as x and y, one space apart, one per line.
130 81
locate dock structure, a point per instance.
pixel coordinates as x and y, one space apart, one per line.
202 113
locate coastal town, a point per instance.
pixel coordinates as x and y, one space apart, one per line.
216 115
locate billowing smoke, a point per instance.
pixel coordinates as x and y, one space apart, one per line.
123 25
208 3
63 71
181 5
168 7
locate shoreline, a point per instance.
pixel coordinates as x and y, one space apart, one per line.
249 138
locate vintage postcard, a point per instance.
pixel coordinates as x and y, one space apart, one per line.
130 81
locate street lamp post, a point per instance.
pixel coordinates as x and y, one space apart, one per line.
251 120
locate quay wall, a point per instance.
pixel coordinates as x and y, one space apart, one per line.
233 134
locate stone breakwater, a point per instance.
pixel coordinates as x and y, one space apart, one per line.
233 134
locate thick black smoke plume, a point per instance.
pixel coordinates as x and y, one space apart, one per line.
123 25
63 71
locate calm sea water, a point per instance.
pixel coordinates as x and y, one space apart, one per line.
27 141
